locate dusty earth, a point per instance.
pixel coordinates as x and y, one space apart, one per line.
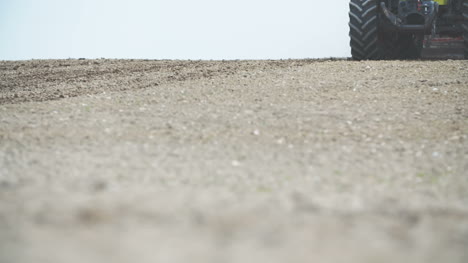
233 161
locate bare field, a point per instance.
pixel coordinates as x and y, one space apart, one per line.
233 161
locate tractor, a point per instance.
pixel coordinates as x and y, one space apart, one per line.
402 29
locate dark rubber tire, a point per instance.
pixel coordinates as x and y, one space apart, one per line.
364 30
465 25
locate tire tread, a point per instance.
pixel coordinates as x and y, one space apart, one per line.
363 24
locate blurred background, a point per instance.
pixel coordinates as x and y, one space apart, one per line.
175 29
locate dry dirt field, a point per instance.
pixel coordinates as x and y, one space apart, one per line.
233 161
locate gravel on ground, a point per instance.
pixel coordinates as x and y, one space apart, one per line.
233 161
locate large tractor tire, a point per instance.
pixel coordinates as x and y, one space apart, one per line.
465 26
364 30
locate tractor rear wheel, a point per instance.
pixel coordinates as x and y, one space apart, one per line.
465 26
364 30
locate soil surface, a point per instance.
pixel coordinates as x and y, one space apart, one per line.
233 161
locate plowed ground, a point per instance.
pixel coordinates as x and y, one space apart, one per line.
233 161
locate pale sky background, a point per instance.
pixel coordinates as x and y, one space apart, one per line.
173 29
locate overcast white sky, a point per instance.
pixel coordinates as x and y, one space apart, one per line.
173 29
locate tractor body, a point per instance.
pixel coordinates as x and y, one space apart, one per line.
402 29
